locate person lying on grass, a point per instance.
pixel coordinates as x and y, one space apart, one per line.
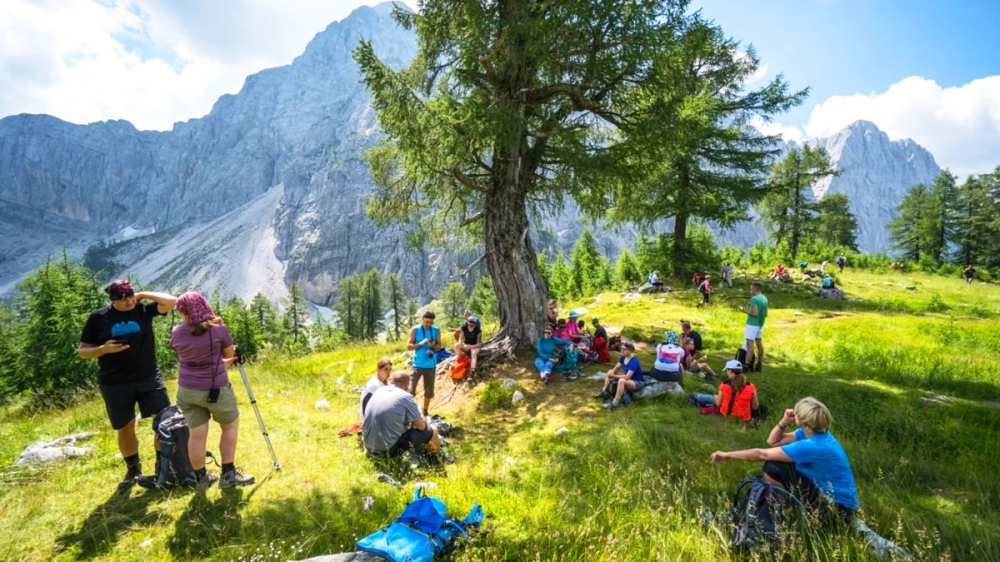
669 365
547 357
393 422
625 376
809 462
691 363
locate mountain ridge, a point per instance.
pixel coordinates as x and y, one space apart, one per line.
298 130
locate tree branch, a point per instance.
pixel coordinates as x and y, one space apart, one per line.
466 271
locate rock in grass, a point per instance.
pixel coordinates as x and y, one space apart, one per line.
911 288
509 383
562 430
518 396
322 404
657 388
41 452
798 313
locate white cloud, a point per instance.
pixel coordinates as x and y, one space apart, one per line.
787 132
960 125
152 62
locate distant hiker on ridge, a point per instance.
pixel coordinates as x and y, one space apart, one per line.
120 336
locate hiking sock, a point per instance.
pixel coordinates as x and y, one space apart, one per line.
228 467
133 459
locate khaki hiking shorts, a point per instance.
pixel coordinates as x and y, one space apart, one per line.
197 411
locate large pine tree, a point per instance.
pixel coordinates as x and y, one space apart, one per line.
516 102
837 225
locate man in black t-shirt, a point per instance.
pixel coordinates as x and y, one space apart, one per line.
470 337
687 332
120 337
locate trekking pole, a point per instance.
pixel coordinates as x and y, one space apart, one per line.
240 359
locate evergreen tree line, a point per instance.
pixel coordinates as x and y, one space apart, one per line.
947 225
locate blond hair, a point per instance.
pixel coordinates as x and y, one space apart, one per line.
813 414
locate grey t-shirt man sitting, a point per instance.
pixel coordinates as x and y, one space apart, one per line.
393 422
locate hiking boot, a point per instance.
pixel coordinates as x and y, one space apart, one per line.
546 378
134 471
205 482
235 478
759 368
613 405
602 395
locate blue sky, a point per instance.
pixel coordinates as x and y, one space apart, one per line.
921 69
845 47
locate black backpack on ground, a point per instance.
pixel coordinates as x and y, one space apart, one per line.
760 514
615 343
173 465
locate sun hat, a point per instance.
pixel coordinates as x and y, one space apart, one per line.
195 307
670 336
574 314
119 289
734 365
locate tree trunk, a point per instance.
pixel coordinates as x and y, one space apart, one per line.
680 244
511 261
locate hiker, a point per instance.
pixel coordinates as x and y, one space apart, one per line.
727 276
970 273
736 397
687 332
841 262
828 283
777 274
547 357
669 364
470 337
425 342
691 363
561 331
706 290
393 422
120 336
809 463
600 344
696 279
572 330
654 279
465 315
204 349
630 379
822 267
552 315
379 380
753 331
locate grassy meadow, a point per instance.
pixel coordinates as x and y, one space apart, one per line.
633 484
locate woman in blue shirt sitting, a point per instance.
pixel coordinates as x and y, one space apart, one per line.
808 462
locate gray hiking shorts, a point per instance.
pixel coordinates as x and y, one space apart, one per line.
428 375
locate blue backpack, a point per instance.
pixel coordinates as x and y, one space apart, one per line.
422 532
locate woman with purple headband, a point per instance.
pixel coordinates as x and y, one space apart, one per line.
205 349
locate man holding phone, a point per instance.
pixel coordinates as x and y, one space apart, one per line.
425 342
120 336
753 332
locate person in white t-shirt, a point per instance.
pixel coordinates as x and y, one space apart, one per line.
669 365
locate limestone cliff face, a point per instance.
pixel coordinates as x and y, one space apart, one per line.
268 187
876 173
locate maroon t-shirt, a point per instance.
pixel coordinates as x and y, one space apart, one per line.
200 366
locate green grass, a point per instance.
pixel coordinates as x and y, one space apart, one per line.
625 485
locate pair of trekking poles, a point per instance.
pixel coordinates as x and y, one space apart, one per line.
240 360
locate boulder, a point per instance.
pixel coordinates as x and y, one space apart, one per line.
508 383
657 388
518 396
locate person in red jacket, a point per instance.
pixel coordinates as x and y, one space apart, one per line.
600 343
